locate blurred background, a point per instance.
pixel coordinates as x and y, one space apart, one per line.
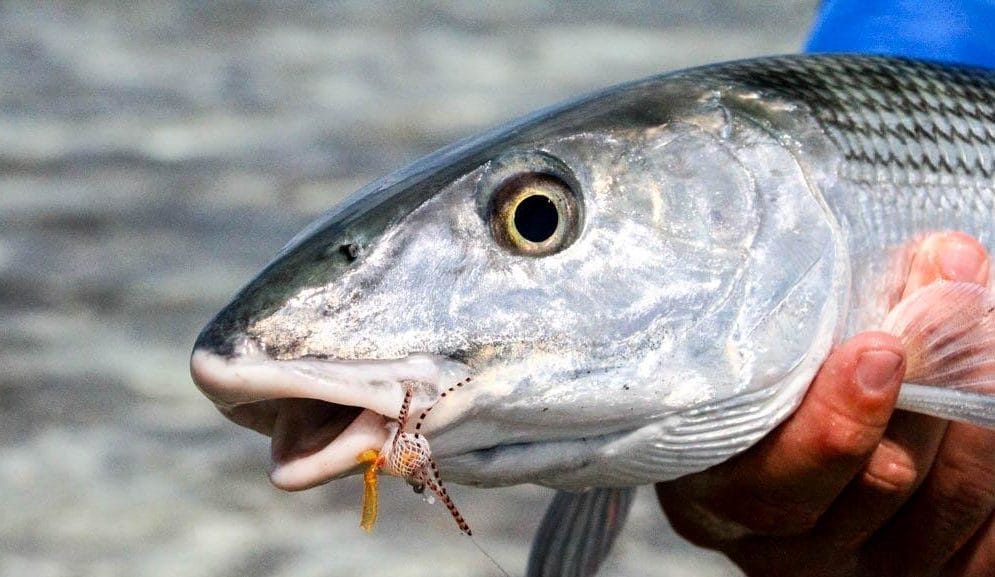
155 155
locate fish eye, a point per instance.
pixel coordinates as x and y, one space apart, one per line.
534 214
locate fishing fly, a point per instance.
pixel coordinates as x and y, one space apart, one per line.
408 456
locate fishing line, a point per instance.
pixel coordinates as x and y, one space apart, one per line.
488 555
434 481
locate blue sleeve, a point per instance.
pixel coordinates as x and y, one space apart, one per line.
951 30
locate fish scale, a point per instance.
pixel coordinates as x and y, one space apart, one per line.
917 142
859 101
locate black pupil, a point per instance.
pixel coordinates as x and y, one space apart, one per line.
536 218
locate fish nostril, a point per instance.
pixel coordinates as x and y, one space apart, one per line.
350 250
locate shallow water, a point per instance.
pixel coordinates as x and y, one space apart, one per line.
154 155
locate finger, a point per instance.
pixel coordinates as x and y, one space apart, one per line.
977 558
892 474
954 501
787 481
952 256
900 463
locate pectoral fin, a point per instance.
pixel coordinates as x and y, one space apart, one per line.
578 531
948 330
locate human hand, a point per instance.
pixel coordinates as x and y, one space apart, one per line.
848 486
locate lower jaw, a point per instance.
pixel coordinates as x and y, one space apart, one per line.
336 459
321 413
302 427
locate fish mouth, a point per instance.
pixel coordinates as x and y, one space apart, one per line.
320 413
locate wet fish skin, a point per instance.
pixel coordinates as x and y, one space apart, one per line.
912 149
736 221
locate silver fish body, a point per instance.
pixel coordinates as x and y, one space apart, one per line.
911 150
730 223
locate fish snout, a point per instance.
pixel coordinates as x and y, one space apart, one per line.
320 412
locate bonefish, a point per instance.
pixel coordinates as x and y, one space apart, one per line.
640 283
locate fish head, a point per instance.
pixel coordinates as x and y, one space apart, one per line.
604 273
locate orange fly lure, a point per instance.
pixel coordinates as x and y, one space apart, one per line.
370 496
406 455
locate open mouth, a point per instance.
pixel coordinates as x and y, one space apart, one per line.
320 413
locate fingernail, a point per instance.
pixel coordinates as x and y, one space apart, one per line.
876 370
962 260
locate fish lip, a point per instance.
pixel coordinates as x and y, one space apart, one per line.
250 388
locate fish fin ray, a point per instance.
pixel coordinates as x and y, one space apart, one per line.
577 532
948 331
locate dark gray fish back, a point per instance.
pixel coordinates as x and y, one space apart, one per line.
897 120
